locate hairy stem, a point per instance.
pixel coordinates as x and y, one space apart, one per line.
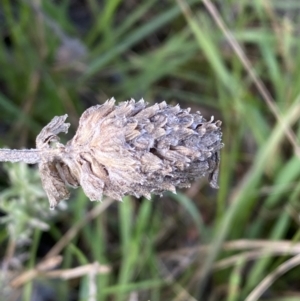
29 156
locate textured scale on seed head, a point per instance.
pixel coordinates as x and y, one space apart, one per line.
128 149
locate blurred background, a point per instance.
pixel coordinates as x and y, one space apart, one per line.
237 60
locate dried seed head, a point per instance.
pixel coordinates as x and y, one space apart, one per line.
129 149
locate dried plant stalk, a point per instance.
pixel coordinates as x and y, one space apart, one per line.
129 149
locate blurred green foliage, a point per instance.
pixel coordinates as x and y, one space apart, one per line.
60 57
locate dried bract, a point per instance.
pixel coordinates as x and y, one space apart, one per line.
129 149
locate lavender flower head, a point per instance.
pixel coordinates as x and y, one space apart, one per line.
129 149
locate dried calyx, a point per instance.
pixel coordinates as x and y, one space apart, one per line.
129 149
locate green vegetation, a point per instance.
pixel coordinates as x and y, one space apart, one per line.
60 57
